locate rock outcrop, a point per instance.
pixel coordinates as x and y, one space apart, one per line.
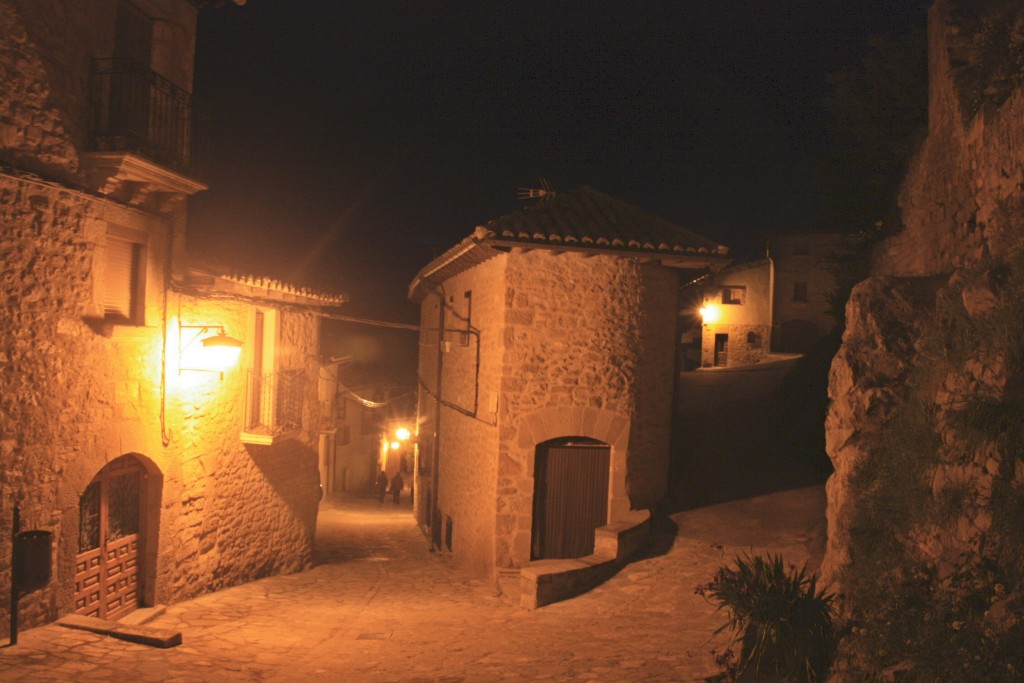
924 429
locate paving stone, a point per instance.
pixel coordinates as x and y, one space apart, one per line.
413 617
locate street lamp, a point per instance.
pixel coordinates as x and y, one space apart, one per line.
211 353
710 313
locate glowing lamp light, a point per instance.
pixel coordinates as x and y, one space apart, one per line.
210 353
221 351
711 314
395 445
403 434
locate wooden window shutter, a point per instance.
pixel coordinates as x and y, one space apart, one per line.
122 278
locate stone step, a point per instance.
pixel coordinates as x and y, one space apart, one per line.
144 635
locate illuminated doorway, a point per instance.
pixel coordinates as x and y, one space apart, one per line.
570 498
721 350
111 541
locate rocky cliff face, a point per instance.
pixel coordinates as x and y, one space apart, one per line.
927 390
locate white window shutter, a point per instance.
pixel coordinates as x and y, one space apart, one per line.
122 268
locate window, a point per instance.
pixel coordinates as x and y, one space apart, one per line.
123 282
800 292
274 396
733 295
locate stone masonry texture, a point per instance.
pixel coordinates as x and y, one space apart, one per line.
958 204
570 346
77 391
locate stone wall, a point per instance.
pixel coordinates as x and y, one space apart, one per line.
468 480
971 166
76 393
588 343
46 49
745 315
747 344
569 346
958 205
797 324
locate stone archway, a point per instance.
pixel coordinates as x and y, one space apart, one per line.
118 528
515 530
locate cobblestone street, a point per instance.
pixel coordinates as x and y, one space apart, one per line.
380 607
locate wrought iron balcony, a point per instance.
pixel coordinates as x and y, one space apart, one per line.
273 405
134 109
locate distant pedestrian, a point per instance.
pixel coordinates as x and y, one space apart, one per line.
397 484
382 485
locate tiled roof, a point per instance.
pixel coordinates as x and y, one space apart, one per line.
212 277
579 220
587 218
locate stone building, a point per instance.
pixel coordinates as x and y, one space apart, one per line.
779 303
737 315
160 473
802 311
546 372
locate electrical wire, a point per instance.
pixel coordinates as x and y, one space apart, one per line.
368 321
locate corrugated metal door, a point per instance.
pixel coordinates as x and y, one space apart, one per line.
570 498
110 541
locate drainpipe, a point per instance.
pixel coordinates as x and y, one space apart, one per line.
771 296
435 513
15 528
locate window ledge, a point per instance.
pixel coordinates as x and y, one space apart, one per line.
122 330
264 437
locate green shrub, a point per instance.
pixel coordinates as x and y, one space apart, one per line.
781 620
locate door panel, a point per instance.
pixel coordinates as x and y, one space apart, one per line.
110 536
570 499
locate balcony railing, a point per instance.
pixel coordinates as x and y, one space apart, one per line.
274 402
134 109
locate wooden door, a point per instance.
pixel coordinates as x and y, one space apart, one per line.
570 498
721 350
110 535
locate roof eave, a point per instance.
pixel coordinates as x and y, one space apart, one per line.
467 253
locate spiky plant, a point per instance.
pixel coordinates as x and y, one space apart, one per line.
783 623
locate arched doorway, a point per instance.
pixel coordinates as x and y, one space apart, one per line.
109 571
570 497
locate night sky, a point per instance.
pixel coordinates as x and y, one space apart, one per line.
348 142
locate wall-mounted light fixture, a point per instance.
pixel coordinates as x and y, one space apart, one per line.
205 350
710 313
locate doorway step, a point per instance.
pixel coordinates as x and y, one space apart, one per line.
144 635
543 582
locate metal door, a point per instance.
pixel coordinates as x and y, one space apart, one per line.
570 498
110 535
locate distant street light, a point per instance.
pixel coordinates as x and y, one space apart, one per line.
711 314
